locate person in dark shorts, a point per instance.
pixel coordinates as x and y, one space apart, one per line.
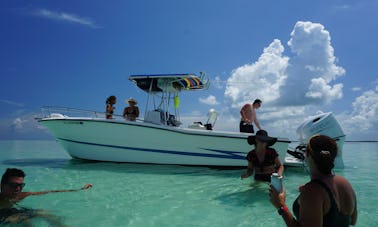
248 117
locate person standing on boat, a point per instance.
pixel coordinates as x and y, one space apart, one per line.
12 183
327 200
131 112
263 160
248 116
110 101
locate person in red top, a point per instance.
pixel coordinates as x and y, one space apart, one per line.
248 116
263 160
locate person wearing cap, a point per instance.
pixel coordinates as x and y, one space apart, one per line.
326 200
263 160
248 116
131 112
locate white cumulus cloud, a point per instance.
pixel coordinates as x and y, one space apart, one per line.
365 110
17 123
312 68
261 79
210 100
362 122
293 83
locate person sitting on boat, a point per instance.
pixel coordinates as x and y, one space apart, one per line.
11 193
110 101
131 112
263 160
326 200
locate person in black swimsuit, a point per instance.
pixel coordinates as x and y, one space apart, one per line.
131 112
110 101
327 200
263 160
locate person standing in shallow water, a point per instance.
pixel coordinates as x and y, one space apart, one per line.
263 160
326 200
12 183
110 101
248 117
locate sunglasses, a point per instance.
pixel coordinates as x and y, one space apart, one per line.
16 185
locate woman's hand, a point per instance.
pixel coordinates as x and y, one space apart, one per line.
245 175
276 198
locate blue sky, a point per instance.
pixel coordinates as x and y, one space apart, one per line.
299 57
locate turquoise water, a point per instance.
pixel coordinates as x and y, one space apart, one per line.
157 195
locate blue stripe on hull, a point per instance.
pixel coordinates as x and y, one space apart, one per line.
224 154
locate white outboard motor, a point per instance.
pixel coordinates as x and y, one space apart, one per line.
324 124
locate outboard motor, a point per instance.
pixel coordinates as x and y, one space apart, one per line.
324 124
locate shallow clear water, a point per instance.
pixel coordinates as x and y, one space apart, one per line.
158 195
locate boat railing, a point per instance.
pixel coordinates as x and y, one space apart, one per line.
56 111
49 111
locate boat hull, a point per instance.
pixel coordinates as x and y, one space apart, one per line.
141 142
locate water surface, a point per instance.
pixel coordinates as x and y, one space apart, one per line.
161 195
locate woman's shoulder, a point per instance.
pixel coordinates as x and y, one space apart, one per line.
342 183
312 192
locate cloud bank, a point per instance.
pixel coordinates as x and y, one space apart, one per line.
296 83
306 78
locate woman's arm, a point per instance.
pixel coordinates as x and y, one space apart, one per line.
278 201
278 163
354 214
249 171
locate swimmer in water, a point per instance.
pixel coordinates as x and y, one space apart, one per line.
12 183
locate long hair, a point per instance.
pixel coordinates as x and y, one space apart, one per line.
323 150
110 99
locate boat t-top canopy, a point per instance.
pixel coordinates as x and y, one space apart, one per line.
169 82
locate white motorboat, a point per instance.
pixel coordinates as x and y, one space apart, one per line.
159 138
322 123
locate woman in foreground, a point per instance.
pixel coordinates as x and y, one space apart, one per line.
327 200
